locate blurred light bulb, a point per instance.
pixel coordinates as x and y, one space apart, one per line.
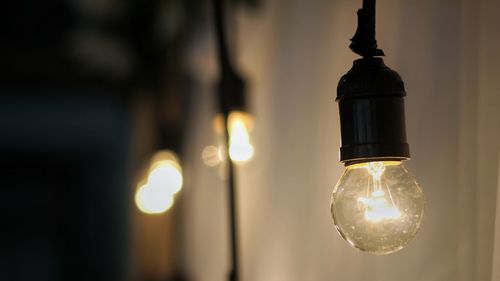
377 207
240 150
164 179
153 200
165 172
240 146
166 176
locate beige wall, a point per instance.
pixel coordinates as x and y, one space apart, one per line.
294 52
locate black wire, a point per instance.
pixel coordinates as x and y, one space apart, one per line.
364 42
220 33
369 5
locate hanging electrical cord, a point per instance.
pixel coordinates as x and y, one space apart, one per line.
220 33
364 42
231 87
231 97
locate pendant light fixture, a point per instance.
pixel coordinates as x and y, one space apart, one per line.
232 97
377 205
162 178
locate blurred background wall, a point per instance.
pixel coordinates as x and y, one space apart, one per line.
90 89
294 52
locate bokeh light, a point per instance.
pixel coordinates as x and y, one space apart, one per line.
164 179
151 200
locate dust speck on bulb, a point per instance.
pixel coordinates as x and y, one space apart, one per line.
377 207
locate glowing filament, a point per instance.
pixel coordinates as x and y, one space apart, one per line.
378 208
377 205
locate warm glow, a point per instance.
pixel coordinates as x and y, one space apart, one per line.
163 180
378 208
152 200
165 176
366 164
165 155
165 172
241 149
240 146
377 205
218 124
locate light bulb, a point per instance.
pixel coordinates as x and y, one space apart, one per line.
377 207
167 176
165 172
153 200
155 194
239 127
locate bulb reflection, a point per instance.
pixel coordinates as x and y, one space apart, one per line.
212 155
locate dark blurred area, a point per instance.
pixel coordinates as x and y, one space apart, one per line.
71 76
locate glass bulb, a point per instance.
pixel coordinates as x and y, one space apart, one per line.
239 127
377 207
240 146
166 176
155 194
165 172
153 200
